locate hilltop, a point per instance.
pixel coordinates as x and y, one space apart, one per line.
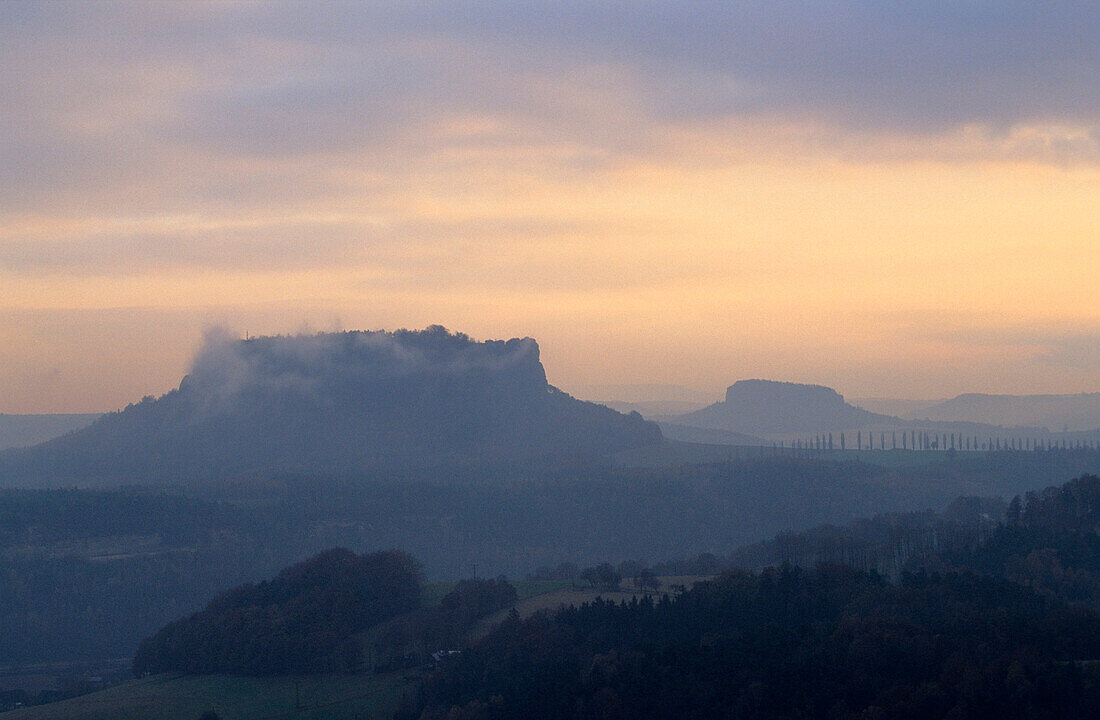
763 411
1080 412
338 403
767 407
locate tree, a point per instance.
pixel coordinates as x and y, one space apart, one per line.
603 576
302 621
646 580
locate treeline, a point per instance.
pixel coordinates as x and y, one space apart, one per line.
974 626
305 620
87 574
430 633
942 441
335 612
832 642
1045 540
1049 542
1069 507
47 517
885 544
70 608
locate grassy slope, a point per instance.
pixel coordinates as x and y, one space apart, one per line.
433 593
557 595
178 697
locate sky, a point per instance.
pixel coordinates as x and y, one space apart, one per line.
895 199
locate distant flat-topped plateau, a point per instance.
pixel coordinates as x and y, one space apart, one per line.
337 403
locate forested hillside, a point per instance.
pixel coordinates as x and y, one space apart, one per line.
987 615
87 574
990 613
832 642
303 621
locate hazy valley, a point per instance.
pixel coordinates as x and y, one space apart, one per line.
461 454
771 388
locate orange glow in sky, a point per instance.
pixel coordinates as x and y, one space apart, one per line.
261 183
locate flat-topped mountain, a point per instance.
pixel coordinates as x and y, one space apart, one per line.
337 403
765 407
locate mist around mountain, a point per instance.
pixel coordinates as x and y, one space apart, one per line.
648 399
895 407
649 393
1065 413
337 403
707 436
655 408
26 430
275 449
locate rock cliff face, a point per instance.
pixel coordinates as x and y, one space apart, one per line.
338 403
765 407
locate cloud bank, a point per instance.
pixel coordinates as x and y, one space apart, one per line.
683 192
131 95
311 365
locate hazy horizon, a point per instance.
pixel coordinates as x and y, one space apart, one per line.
893 201
624 393
615 392
524 360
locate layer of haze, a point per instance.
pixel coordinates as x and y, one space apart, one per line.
893 199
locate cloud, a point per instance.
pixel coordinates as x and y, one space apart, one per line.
181 243
686 165
319 366
166 107
280 79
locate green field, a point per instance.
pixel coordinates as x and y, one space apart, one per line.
179 697
553 595
432 593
